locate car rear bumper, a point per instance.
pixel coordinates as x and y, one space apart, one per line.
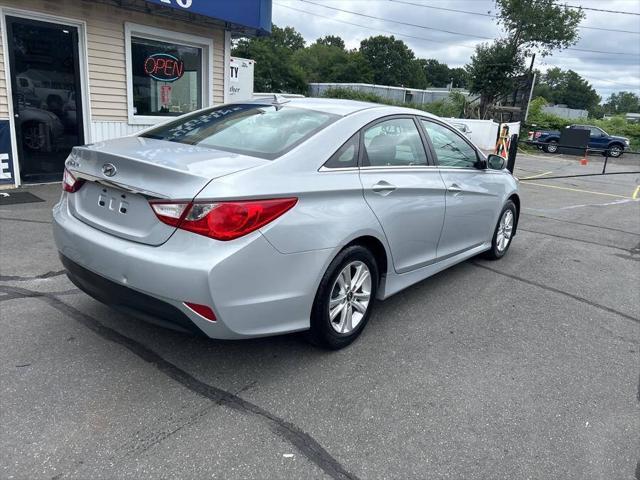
253 289
127 300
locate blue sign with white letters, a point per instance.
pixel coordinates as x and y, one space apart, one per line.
6 162
252 14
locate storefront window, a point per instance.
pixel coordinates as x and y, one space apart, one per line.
167 78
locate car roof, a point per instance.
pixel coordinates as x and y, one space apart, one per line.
336 106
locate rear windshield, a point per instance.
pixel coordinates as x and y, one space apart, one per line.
264 131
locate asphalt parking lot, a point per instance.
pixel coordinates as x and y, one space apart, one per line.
522 368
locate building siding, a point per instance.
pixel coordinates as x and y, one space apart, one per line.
106 51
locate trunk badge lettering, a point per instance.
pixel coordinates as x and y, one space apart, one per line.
109 169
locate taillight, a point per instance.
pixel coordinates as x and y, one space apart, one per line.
70 183
222 220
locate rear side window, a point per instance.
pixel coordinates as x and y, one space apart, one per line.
263 131
394 142
347 154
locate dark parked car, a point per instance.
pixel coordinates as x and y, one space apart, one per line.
599 139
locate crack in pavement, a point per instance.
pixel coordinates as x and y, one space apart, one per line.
561 292
13 295
25 220
302 441
17 278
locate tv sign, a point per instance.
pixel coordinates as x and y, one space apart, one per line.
164 67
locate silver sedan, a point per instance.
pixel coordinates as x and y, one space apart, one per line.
278 216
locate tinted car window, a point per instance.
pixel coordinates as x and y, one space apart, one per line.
394 142
264 131
347 154
451 149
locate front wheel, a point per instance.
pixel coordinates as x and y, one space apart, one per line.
615 151
344 299
503 233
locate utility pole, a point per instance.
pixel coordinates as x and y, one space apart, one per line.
532 77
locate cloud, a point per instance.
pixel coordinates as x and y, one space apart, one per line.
607 72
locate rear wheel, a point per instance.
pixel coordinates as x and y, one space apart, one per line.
551 147
503 233
344 299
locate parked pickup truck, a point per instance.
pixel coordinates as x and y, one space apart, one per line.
599 139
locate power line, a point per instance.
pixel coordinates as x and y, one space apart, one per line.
602 10
397 21
450 31
468 12
368 27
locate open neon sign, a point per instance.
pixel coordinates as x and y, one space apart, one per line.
164 67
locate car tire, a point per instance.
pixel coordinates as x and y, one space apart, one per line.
551 147
34 138
615 151
344 302
503 233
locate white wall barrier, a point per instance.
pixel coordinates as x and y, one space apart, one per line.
485 132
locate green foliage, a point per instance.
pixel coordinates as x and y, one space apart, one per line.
452 107
529 25
567 87
392 61
492 71
543 25
622 102
326 62
274 69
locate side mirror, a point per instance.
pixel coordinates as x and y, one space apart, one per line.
496 162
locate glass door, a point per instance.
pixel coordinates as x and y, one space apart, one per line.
45 83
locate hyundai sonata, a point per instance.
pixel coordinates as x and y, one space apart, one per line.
276 215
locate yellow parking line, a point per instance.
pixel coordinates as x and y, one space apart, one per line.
538 175
574 189
636 192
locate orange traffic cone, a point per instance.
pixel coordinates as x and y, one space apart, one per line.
585 159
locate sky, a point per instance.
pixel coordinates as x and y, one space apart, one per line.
607 72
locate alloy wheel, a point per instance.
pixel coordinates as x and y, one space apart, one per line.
350 297
505 229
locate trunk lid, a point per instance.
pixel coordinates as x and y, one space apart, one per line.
145 169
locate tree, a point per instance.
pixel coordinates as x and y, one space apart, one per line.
392 62
530 26
459 77
578 93
436 73
541 25
622 102
331 41
567 87
274 69
492 71
325 62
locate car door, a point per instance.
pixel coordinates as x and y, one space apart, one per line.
597 138
473 195
404 190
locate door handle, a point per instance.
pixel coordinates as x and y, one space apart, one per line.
454 188
383 188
